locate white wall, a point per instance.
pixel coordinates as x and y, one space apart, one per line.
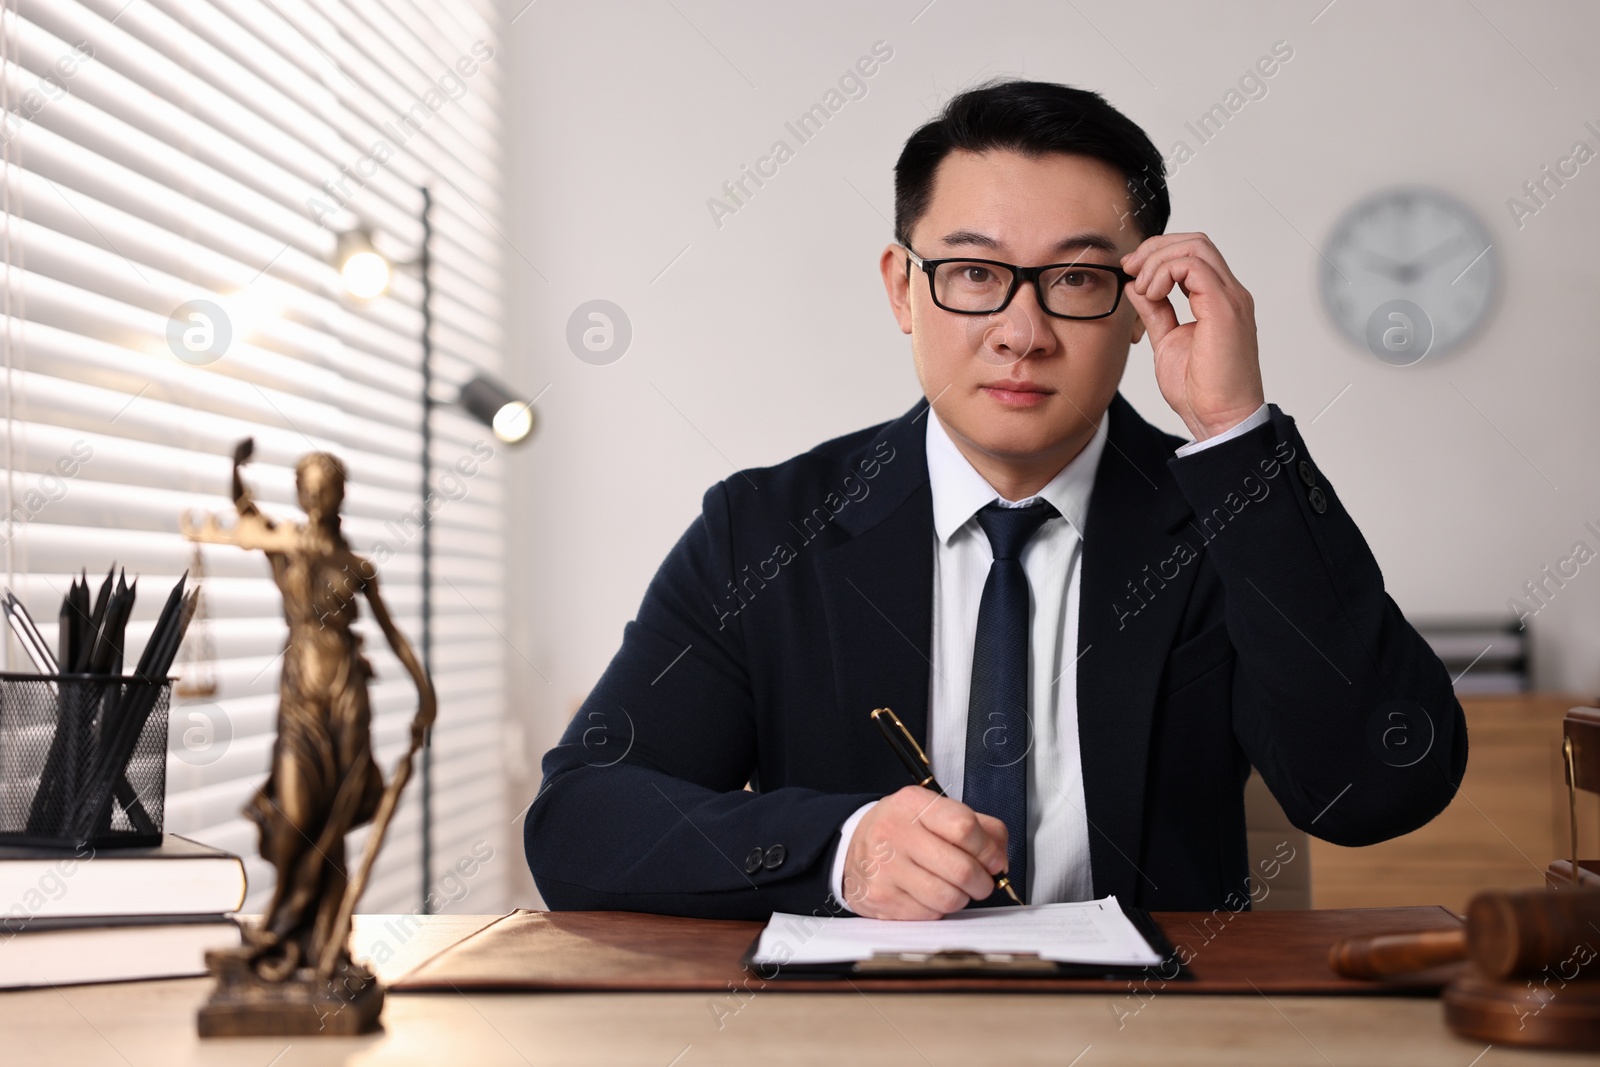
771 333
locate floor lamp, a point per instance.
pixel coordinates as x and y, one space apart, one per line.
365 274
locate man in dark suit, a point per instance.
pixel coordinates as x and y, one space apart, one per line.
1093 637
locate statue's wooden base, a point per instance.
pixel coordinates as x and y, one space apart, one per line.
246 1005
1538 1013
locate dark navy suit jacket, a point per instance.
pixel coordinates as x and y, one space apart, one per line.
1231 615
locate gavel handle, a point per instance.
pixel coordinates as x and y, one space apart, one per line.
1393 954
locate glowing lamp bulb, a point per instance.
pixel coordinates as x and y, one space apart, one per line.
365 275
513 422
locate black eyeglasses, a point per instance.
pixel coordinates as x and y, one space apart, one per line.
985 286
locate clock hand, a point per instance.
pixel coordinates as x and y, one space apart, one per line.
1396 269
1435 255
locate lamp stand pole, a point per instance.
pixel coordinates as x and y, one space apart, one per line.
426 769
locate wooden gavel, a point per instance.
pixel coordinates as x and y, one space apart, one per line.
1507 932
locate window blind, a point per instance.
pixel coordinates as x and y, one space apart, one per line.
176 175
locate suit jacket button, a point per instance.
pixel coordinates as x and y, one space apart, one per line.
775 857
1307 475
1319 500
752 862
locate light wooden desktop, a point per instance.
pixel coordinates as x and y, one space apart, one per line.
152 1023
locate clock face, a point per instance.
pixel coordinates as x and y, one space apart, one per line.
1407 273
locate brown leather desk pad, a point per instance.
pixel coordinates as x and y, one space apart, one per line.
1283 952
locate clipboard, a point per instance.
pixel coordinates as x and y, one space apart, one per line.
966 963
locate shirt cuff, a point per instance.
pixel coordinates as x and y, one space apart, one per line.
1259 417
847 831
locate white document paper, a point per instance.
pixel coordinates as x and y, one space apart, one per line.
1090 931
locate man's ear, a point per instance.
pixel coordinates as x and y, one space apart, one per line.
1138 329
897 283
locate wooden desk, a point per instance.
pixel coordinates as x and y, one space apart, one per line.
152 1023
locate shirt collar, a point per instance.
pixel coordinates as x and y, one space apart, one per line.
959 491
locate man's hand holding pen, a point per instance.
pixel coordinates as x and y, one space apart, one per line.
919 855
954 854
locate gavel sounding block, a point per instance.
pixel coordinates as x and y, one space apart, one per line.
595 951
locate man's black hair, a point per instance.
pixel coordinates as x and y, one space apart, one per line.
1034 119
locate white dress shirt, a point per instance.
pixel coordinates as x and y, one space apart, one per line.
1058 833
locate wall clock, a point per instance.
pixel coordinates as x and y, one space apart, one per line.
1408 272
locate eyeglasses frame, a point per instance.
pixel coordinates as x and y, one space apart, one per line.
1019 276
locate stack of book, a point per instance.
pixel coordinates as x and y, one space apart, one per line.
112 915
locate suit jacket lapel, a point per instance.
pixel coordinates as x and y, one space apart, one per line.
1127 617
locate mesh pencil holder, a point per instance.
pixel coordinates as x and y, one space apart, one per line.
83 760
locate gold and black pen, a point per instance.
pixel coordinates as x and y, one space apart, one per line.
905 746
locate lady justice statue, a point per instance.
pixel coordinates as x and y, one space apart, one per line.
293 974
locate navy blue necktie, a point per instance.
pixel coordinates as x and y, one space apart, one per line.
995 779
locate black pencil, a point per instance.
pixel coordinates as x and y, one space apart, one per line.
97 619
64 630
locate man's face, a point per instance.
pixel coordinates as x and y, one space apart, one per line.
1018 385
